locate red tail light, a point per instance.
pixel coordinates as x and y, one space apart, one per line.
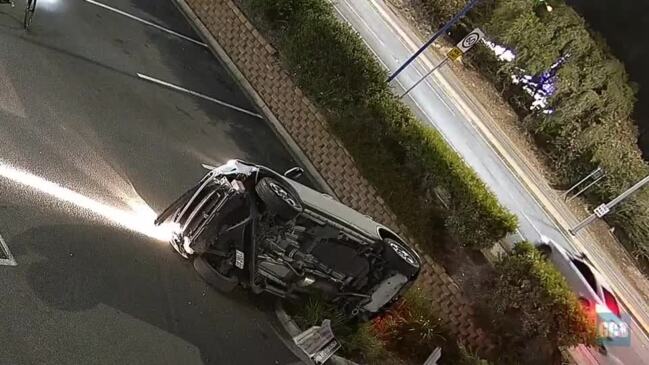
611 303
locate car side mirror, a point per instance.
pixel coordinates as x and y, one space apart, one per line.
294 173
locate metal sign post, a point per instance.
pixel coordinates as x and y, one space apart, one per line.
598 174
424 77
604 209
454 54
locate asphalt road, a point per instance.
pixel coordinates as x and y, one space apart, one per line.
441 101
88 153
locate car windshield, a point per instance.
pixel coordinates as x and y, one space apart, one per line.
586 273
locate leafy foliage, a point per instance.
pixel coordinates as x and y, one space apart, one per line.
358 340
406 334
406 161
531 290
411 328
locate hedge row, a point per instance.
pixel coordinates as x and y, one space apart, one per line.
533 310
592 122
406 161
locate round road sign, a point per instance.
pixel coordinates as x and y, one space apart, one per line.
470 40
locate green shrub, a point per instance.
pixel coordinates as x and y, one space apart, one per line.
467 357
406 161
356 339
411 327
529 289
443 10
407 333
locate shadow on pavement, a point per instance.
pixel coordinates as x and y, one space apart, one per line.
82 266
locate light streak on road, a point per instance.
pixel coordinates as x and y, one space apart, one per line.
50 5
140 219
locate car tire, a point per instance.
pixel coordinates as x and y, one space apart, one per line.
401 257
545 250
278 198
213 277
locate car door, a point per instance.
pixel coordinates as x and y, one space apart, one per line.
579 277
590 288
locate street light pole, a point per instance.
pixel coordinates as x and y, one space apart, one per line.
604 209
446 27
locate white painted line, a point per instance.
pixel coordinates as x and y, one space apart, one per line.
179 88
367 26
156 26
9 261
532 224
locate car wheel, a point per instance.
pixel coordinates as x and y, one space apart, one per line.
278 199
213 277
401 257
545 250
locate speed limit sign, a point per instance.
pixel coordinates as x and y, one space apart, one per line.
470 40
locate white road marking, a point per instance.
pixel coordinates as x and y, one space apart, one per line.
9 261
156 26
531 224
194 93
367 26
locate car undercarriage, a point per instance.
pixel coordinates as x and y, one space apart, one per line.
247 225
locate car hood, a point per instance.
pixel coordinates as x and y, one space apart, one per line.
329 206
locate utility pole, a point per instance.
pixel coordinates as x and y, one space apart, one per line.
446 27
604 209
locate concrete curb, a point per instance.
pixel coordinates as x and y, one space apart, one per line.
275 124
293 330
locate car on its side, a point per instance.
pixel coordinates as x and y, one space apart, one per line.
245 224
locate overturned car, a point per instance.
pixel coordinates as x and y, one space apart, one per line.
245 224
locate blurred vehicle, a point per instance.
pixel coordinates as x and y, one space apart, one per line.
245 224
592 290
